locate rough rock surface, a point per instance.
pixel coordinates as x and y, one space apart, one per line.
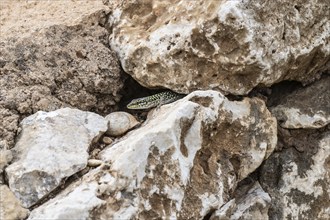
25 17
10 206
307 107
231 46
202 157
298 177
185 161
57 65
51 147
253 204
76 205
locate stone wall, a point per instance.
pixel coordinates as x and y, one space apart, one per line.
249 139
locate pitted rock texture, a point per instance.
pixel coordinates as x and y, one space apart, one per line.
50 148
231 46
183 162
298 177
307 107
21 18
57 66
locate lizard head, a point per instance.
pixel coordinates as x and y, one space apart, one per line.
140 103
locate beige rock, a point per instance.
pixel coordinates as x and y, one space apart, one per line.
230 46
25 17
60 58
10 206
5 157
107 140
120 123
94 162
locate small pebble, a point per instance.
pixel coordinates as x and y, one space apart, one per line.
94 162
120 122
107 140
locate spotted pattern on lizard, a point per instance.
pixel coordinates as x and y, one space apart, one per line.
154 100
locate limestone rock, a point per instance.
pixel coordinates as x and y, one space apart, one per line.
182 163
64 61
76 205
120 123
307 107
252 205
231 46
10 206
51 147
298 177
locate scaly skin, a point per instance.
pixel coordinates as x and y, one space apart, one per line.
154 100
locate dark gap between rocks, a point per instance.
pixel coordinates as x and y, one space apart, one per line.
272 95
209 214
132 90
280 90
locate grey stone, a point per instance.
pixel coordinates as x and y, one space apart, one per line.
50 148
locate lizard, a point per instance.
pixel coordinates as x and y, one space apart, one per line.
155 100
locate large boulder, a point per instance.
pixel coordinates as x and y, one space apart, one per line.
184 162
232 46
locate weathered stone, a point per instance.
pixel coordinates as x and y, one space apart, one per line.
76 205
298 178
307 107
21 18
231 46
10 206
252 205
51 147
61 62
183 162
120 123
